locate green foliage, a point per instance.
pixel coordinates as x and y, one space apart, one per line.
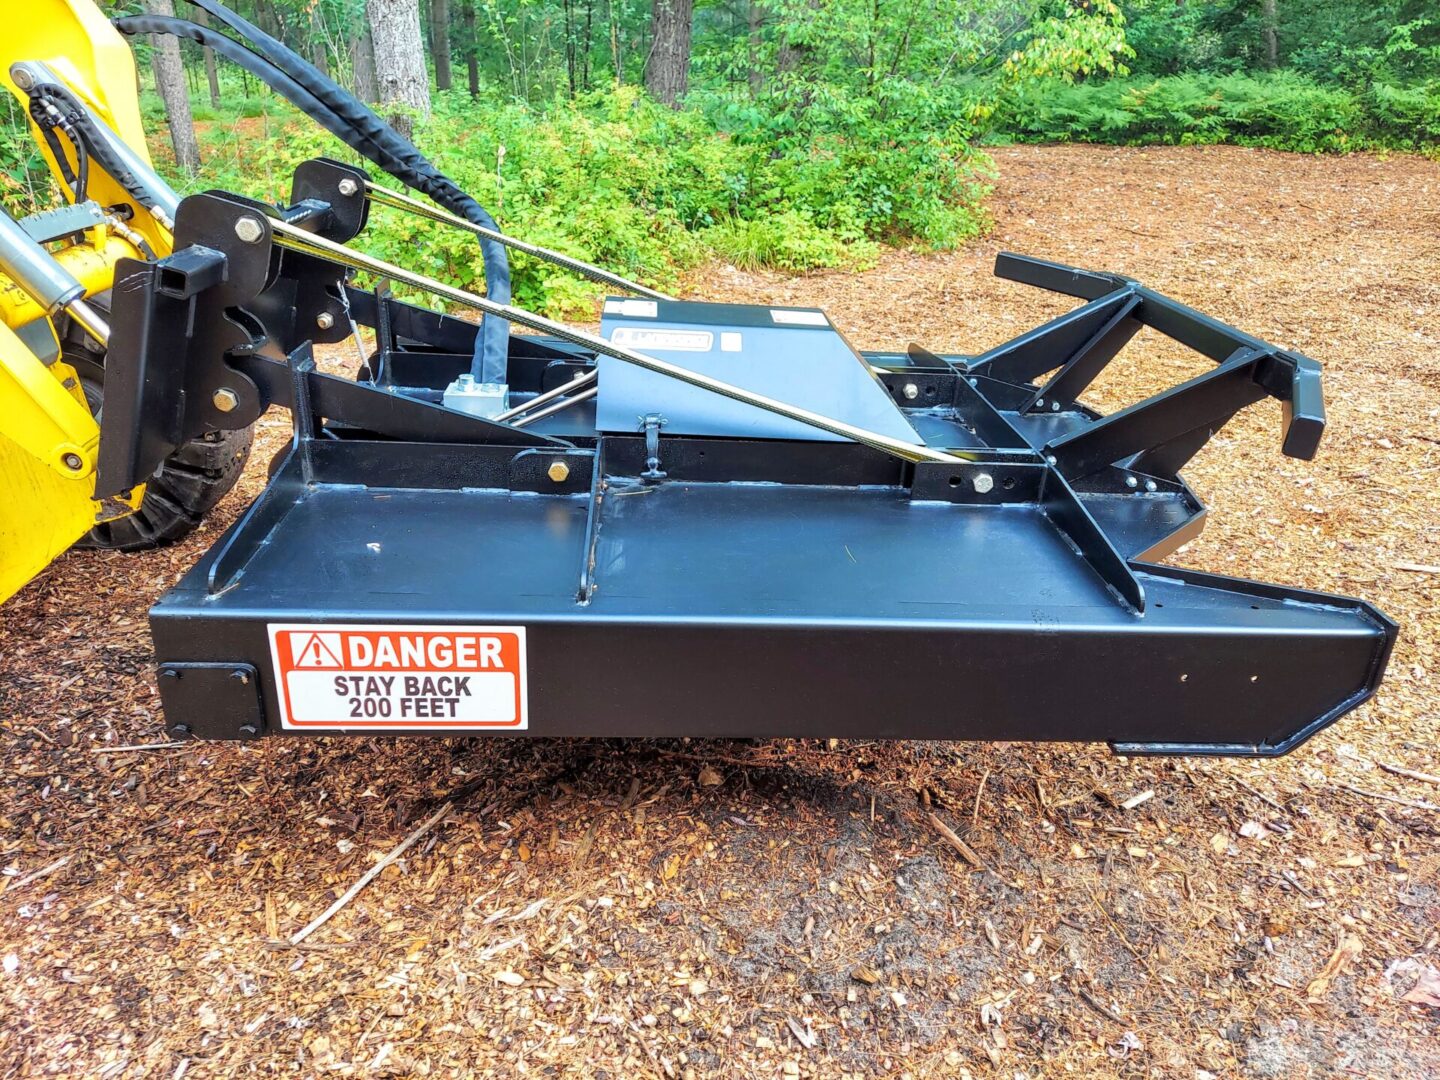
786 241
617 180
1283 111
24 177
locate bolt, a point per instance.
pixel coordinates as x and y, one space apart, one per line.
558 471
1150 485
984 482
348 186
23 79
911 391
1131 482
1040 403
249 229
324 320
73 462
225 399
1054 406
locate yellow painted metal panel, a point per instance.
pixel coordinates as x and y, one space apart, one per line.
76 41
41 515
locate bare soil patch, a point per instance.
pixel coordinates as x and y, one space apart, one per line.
681 909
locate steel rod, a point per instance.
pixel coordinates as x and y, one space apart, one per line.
296 239
398 200
580 381
559 406
89 320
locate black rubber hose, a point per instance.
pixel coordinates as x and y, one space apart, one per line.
354 123
95 143
408 165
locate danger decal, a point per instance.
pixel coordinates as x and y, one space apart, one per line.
348 676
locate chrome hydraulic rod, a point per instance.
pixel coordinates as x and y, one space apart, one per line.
555 407
297 239
580 381
383 196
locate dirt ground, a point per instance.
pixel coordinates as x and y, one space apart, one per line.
671 909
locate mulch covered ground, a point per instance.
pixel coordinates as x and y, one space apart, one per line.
682 909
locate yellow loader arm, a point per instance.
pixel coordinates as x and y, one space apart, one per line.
48 435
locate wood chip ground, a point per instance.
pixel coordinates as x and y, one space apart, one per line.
668 909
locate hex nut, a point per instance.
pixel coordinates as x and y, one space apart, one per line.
984 482
348 186
225 399
911 391
558 472
249 229
324 320
73 462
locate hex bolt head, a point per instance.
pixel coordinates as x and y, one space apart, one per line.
1131 482
324 320
22 77
1150 485
347 186
225 399
249 229
984 482
73 462
910 390
558 471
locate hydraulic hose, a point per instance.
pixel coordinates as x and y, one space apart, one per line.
352 121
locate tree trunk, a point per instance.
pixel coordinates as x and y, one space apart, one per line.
440 42
362 63
615 59
212 74
1270 32
400 60
472 47
170 81
757 78
319 55
667 71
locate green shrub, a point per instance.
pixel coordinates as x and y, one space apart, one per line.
1282 111
619 181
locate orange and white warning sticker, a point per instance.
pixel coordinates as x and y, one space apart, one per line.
344 675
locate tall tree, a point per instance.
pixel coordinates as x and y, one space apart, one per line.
667 70
755 77
400 59
212 75
170 81
471 46
319 54
440 42
362 63
1270 32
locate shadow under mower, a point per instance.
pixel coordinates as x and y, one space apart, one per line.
707 520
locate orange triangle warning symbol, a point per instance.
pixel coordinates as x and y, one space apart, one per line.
318 651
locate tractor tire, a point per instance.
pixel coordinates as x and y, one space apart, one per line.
185 487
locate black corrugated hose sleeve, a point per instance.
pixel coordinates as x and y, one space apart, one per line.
349 119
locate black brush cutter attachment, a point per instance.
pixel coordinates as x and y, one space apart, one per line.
708 520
